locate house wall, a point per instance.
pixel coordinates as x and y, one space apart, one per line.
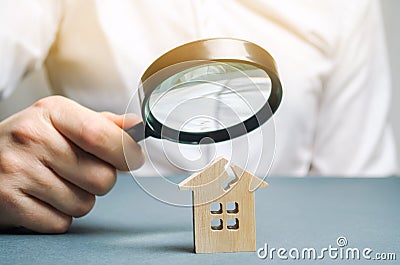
225 240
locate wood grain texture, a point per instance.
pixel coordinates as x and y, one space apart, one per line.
207 187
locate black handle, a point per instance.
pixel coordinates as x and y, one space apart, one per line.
137 132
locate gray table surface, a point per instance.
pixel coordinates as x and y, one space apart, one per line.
129 227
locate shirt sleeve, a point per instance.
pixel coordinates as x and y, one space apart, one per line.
27 30
353 135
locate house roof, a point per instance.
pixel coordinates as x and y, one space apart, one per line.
218 170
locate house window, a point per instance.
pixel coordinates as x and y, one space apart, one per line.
232 207
232 224
216 208
217 224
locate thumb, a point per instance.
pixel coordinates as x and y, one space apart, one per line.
123 121
134 158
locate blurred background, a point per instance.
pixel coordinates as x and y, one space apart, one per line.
35 85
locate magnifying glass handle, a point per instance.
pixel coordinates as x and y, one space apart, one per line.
137 132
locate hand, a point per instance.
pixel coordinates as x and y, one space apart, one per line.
55 156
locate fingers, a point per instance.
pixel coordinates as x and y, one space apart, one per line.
60 194
19 209
53 150
78 167
55 157
82 169
92 131
38 216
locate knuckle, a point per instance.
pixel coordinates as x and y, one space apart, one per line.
10 162
46 183
11 205
60 225
9 199
85 206
26 133
49 102
103 179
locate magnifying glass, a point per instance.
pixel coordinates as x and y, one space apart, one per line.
207 91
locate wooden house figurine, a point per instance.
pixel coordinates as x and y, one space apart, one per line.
223 213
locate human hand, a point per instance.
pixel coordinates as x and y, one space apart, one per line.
55 156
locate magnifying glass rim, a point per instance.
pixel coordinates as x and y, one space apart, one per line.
202 52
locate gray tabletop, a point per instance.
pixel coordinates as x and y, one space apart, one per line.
130 227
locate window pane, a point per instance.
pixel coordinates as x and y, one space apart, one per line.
217 224
216 208
233 224
232 207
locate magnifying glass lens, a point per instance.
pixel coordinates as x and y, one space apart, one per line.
210 97
197 95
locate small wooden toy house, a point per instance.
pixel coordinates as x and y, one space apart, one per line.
223 213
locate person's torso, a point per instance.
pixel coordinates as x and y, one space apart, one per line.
103 47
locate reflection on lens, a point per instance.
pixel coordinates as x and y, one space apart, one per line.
194 99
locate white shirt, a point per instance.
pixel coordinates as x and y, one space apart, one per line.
330 54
